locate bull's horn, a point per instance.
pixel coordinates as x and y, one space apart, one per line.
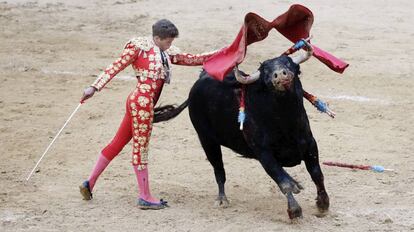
246 79
304 57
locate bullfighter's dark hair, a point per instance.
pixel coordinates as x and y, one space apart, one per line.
164 28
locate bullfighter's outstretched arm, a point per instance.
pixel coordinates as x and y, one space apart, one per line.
179 58
129 54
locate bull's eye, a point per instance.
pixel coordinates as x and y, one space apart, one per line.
284 73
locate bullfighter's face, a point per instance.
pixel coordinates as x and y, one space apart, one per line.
163 44
279 73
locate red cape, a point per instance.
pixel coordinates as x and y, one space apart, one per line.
294 24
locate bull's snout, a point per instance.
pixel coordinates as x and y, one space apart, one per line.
282 79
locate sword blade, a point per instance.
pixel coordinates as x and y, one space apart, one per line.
50 145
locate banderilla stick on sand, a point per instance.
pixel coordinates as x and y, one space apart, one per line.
375 168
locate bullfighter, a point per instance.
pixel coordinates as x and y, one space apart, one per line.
151 58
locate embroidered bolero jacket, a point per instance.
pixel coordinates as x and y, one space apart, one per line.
146 60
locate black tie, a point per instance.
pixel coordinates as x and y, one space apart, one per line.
164 60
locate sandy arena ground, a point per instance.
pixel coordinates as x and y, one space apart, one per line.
51 50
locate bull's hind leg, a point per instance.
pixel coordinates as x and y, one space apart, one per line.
314 169
214 155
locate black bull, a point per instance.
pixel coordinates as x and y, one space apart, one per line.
276 131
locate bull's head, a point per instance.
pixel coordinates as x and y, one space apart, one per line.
277 73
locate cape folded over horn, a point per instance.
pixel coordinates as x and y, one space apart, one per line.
294 24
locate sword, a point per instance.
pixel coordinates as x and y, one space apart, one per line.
57 135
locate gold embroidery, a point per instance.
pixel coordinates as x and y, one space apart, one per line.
143 128
143 101
101 80
155 64
142 78
144 88
142 140
144 154
144 115
145 73
151 74
143 43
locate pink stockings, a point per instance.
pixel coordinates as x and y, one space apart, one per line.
141 175
100 165
143 185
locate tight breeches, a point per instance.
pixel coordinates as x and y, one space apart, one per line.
137 122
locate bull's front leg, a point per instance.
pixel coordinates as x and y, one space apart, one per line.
286 183
314 169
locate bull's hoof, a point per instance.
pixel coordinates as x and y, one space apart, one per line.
296 188
298 185
322 202
221 202
295 212
291 186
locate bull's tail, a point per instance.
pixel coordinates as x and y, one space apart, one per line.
165 113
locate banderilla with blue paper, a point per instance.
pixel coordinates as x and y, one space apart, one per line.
375 168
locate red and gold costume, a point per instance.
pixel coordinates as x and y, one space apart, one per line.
152 68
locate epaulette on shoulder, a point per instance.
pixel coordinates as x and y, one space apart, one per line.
143 43
173 50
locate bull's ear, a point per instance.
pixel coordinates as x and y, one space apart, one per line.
296 68
299 72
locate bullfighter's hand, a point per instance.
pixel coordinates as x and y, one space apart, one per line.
88 93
